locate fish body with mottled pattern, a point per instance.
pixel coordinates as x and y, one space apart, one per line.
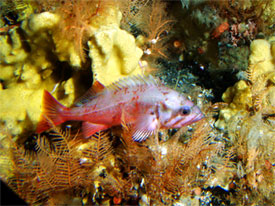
141 102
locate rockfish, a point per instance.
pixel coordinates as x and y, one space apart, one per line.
141 102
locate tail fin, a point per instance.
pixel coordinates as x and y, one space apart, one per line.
51 113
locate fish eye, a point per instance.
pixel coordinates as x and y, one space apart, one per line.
185 110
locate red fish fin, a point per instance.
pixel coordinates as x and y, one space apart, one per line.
51 113
144 127
89 128
97 87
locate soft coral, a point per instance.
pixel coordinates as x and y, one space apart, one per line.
150 19
157 27
76 19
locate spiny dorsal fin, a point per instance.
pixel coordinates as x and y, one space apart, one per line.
96 88
133 81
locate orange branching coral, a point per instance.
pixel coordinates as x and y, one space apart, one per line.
59 164
151 18
260 86
157 28
188 159
77 17
254 148
132 12
97 148
171 168
52 169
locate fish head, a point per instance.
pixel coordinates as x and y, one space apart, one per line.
177 111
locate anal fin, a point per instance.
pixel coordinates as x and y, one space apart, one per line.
89 128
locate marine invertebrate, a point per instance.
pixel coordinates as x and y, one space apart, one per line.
220 29
110 54
241 31
166 167
261 75
27 64
254 94
157 28
252 139
154 28
77 19
248 117
247 12
61 161
132 13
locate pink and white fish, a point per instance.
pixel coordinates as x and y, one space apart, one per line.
141 102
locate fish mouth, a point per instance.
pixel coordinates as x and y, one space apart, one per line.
195 117
198 115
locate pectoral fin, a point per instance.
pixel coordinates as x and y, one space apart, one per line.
89 128
144 127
